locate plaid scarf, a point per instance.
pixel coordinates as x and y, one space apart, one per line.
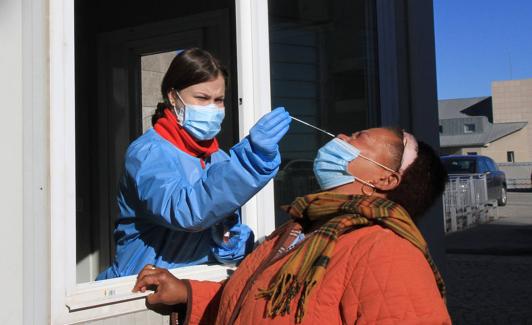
308 263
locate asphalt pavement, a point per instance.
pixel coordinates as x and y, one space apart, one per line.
489 268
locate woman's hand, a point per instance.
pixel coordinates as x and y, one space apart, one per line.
269 130
169 290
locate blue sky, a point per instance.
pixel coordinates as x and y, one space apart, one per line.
478 41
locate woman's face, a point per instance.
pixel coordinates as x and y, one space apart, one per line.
374 144
205 93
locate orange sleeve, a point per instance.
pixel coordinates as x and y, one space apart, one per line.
392 283
203 301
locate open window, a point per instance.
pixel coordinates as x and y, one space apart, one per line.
120 64
107 62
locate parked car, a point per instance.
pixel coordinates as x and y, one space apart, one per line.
477 164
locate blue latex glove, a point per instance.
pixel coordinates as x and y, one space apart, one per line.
232 251
268 131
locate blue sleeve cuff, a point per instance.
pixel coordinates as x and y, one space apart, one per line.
263 165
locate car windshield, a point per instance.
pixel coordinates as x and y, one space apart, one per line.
460 166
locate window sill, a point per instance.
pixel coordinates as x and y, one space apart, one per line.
107 298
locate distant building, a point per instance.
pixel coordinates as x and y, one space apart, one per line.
512 102
494 126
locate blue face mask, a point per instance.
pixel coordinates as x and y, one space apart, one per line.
202 122
330 165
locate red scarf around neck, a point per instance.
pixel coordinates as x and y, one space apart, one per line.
168 128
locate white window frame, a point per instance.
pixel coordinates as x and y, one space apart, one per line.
71 302
253 65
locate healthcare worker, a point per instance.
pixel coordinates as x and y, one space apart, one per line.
180 194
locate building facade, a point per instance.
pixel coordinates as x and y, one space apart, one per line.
494 126
512 102
78 86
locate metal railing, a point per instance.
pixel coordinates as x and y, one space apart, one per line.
518 175
519 183
465 201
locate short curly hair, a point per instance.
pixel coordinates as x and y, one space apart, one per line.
422 182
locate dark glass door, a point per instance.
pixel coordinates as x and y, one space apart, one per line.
323 70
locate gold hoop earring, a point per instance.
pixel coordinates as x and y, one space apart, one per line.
364 191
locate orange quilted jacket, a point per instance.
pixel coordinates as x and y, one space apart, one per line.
374 277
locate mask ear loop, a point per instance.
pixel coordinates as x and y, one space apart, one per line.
182 109
367 184
378 164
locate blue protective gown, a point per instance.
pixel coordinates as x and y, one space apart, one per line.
169 204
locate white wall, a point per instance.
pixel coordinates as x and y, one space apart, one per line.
11 162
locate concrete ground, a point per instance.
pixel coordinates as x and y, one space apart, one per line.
489 271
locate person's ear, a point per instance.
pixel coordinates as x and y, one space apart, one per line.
388 182
172 97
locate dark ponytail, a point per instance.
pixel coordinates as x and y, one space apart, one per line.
191 66
159 112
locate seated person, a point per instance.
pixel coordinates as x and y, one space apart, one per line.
351 254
